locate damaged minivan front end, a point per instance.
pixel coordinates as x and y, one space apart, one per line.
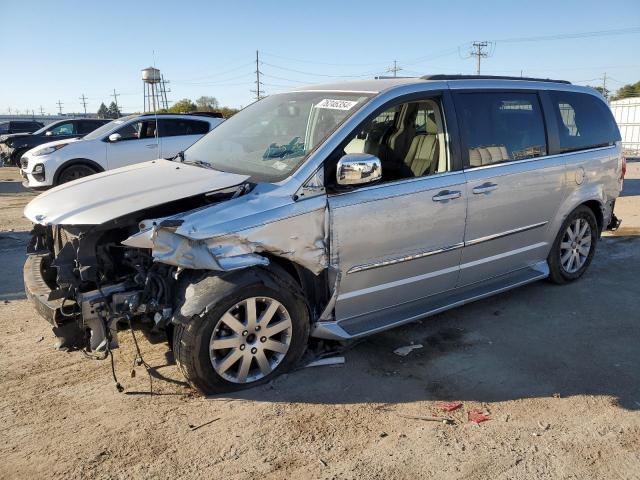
86 279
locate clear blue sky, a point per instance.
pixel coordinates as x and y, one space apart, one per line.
60 50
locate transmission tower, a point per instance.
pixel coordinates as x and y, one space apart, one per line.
259 93
60 107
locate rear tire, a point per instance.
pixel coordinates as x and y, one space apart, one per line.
255 327
574 246
75 172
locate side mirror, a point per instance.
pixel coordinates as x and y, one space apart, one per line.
115 137
48 133
358 168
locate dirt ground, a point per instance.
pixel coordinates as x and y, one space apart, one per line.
557 370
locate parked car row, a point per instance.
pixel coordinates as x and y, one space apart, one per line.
14 145
333 211
121 142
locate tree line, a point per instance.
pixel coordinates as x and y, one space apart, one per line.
202 104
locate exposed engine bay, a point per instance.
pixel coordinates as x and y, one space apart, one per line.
100 282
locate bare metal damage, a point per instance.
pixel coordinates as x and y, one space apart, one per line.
299 237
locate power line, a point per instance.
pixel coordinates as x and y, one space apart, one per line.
566 36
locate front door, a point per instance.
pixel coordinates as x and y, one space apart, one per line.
138 143
514 187
396 244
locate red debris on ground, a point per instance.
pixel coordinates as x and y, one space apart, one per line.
448 406
476 416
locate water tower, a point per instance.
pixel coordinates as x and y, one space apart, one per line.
155 93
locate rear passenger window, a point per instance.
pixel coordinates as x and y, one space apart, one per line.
176 127
584 121
501 127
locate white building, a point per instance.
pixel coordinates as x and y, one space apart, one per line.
627 115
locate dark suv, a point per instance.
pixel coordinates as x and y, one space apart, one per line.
12 146
19 126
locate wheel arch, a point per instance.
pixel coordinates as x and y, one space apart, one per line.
198 288
76 161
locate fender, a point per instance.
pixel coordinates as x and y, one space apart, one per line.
76 161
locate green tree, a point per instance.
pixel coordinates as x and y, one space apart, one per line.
103 111
113 111
626 91
183 106
207 104
227 111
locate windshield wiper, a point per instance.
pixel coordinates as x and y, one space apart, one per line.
200 163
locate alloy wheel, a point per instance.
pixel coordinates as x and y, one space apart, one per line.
575 245
250 340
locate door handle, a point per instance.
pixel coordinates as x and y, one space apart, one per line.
445 195
485 188
151 145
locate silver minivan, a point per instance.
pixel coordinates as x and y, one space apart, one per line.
333 211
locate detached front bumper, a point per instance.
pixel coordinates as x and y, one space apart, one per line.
38 291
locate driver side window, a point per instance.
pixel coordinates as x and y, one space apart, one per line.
138 130
409 139
64 129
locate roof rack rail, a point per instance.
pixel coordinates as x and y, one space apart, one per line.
207 114
199 114
490 77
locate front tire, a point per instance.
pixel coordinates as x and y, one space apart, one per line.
75 172
255 327
574 246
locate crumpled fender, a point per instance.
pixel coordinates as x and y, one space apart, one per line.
295 231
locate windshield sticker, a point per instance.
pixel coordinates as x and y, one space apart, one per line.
334 104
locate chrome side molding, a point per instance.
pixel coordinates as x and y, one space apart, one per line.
428 253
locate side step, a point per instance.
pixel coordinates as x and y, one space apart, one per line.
400 314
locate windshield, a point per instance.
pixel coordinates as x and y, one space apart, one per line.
106 128
46 127
271 138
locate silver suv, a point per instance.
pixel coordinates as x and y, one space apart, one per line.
334 211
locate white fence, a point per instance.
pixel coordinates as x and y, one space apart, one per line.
627 115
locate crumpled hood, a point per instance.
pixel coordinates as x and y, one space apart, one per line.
105 196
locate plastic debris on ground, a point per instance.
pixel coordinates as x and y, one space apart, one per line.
327 361
406 350
476 416
448 406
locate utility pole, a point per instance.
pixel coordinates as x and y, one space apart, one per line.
604 86
60 107
395 69
257 91
479 52
41 111
115 98
84 104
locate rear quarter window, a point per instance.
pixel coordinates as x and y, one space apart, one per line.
584 121
178 127
501 127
